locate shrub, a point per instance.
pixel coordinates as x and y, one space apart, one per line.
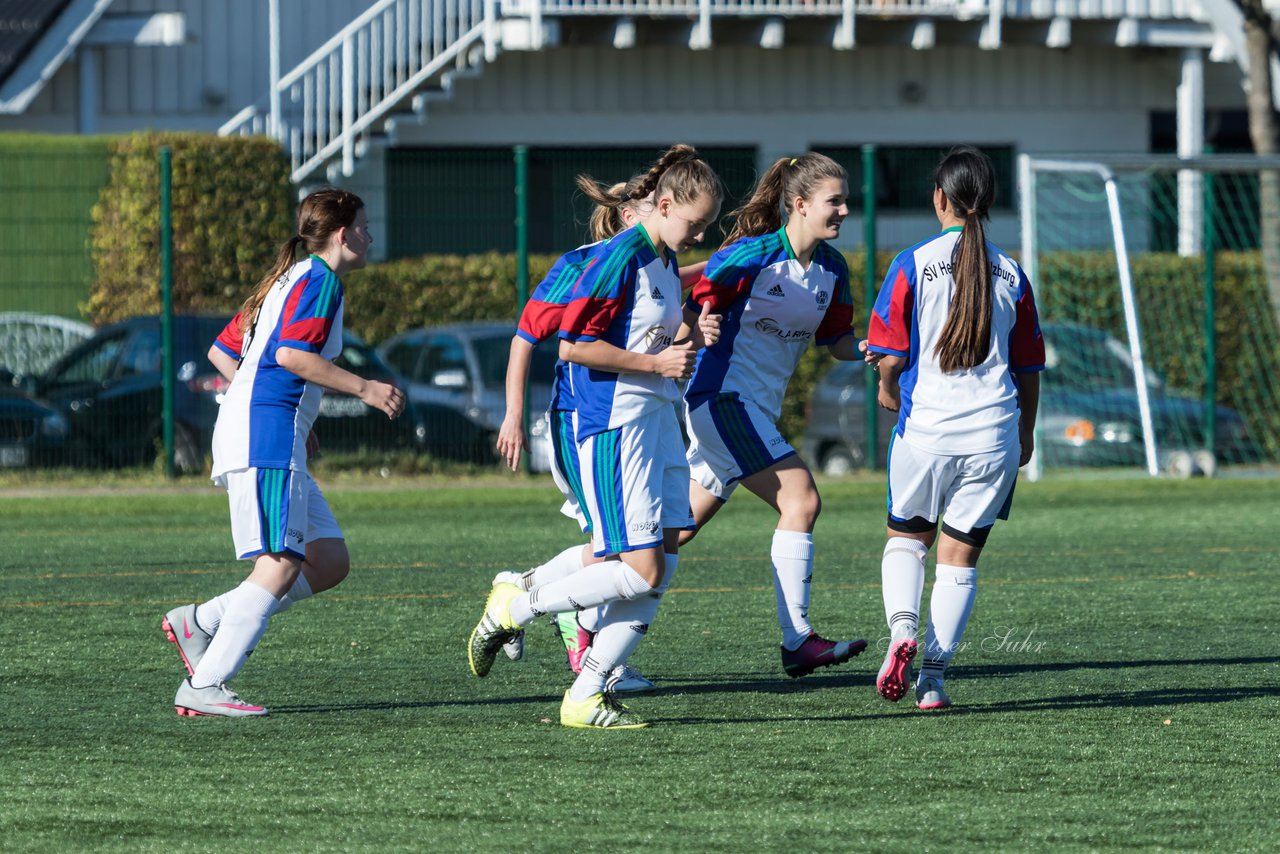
233 205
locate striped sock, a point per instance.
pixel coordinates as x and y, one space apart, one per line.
902 582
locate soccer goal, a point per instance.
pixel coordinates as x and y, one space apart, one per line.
1158 284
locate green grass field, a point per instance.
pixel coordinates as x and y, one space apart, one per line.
1119 691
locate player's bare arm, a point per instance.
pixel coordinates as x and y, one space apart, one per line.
890 368
511 438
314 368
675 362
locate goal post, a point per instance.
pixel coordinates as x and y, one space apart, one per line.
1163 353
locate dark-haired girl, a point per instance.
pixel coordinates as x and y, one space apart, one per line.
957 324
278 354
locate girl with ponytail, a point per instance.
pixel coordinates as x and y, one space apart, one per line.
780 285
957 326
626 341
277 353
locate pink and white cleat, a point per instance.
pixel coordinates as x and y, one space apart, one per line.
817 651
930 696
180 627
895 673
216 701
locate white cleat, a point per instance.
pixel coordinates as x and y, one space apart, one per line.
625 679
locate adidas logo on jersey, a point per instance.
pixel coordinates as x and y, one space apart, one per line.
777 291
656 294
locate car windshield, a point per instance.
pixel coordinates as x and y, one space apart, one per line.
1077 360
493 351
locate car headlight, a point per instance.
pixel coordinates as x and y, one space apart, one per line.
54 426
1117 431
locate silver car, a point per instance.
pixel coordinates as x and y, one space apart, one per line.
461 368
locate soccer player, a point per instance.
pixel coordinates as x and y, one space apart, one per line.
539 321
957 324
623 334
289 331
779 286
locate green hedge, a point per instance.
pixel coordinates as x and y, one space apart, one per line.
233 205
50 183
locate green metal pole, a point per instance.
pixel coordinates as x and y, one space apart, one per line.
166 296
522 259
1210 313
871 287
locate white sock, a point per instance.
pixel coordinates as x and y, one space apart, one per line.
954 589
209 614
592 618
561 566
792 555
300 590
626 622
248 608
586 588
902 581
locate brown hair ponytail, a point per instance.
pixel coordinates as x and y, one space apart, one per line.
319 216
967 178
678 171
787 179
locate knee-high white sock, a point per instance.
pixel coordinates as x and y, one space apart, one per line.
586 588
792 555
247 610
902 582
209 614
300 590
625 624
592 619
954 589
561 566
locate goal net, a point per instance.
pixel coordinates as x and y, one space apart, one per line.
1158 285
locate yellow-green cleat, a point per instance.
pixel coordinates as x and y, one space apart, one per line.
494 629
599 711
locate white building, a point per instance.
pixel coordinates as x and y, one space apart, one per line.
395 98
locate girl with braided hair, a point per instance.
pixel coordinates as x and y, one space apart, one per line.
627 341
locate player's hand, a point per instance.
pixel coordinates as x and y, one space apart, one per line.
676 362
383 396
869 356
313 445
709 325
888 399
511 440
1027 436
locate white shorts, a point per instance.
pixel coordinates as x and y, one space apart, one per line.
565 468
970 490
275 511
729 439
635 483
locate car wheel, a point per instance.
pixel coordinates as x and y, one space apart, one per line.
1178 465
839 460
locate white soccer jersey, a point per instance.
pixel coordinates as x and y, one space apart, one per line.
268 411
971 410
629 297
773 308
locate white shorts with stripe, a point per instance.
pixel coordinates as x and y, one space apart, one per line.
635 482
275 511
969 490
729 439
566 470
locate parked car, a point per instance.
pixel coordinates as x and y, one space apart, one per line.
461 368
30 343
835 438
110 391
1088 412
32 433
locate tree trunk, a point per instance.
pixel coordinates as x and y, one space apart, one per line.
1264 132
